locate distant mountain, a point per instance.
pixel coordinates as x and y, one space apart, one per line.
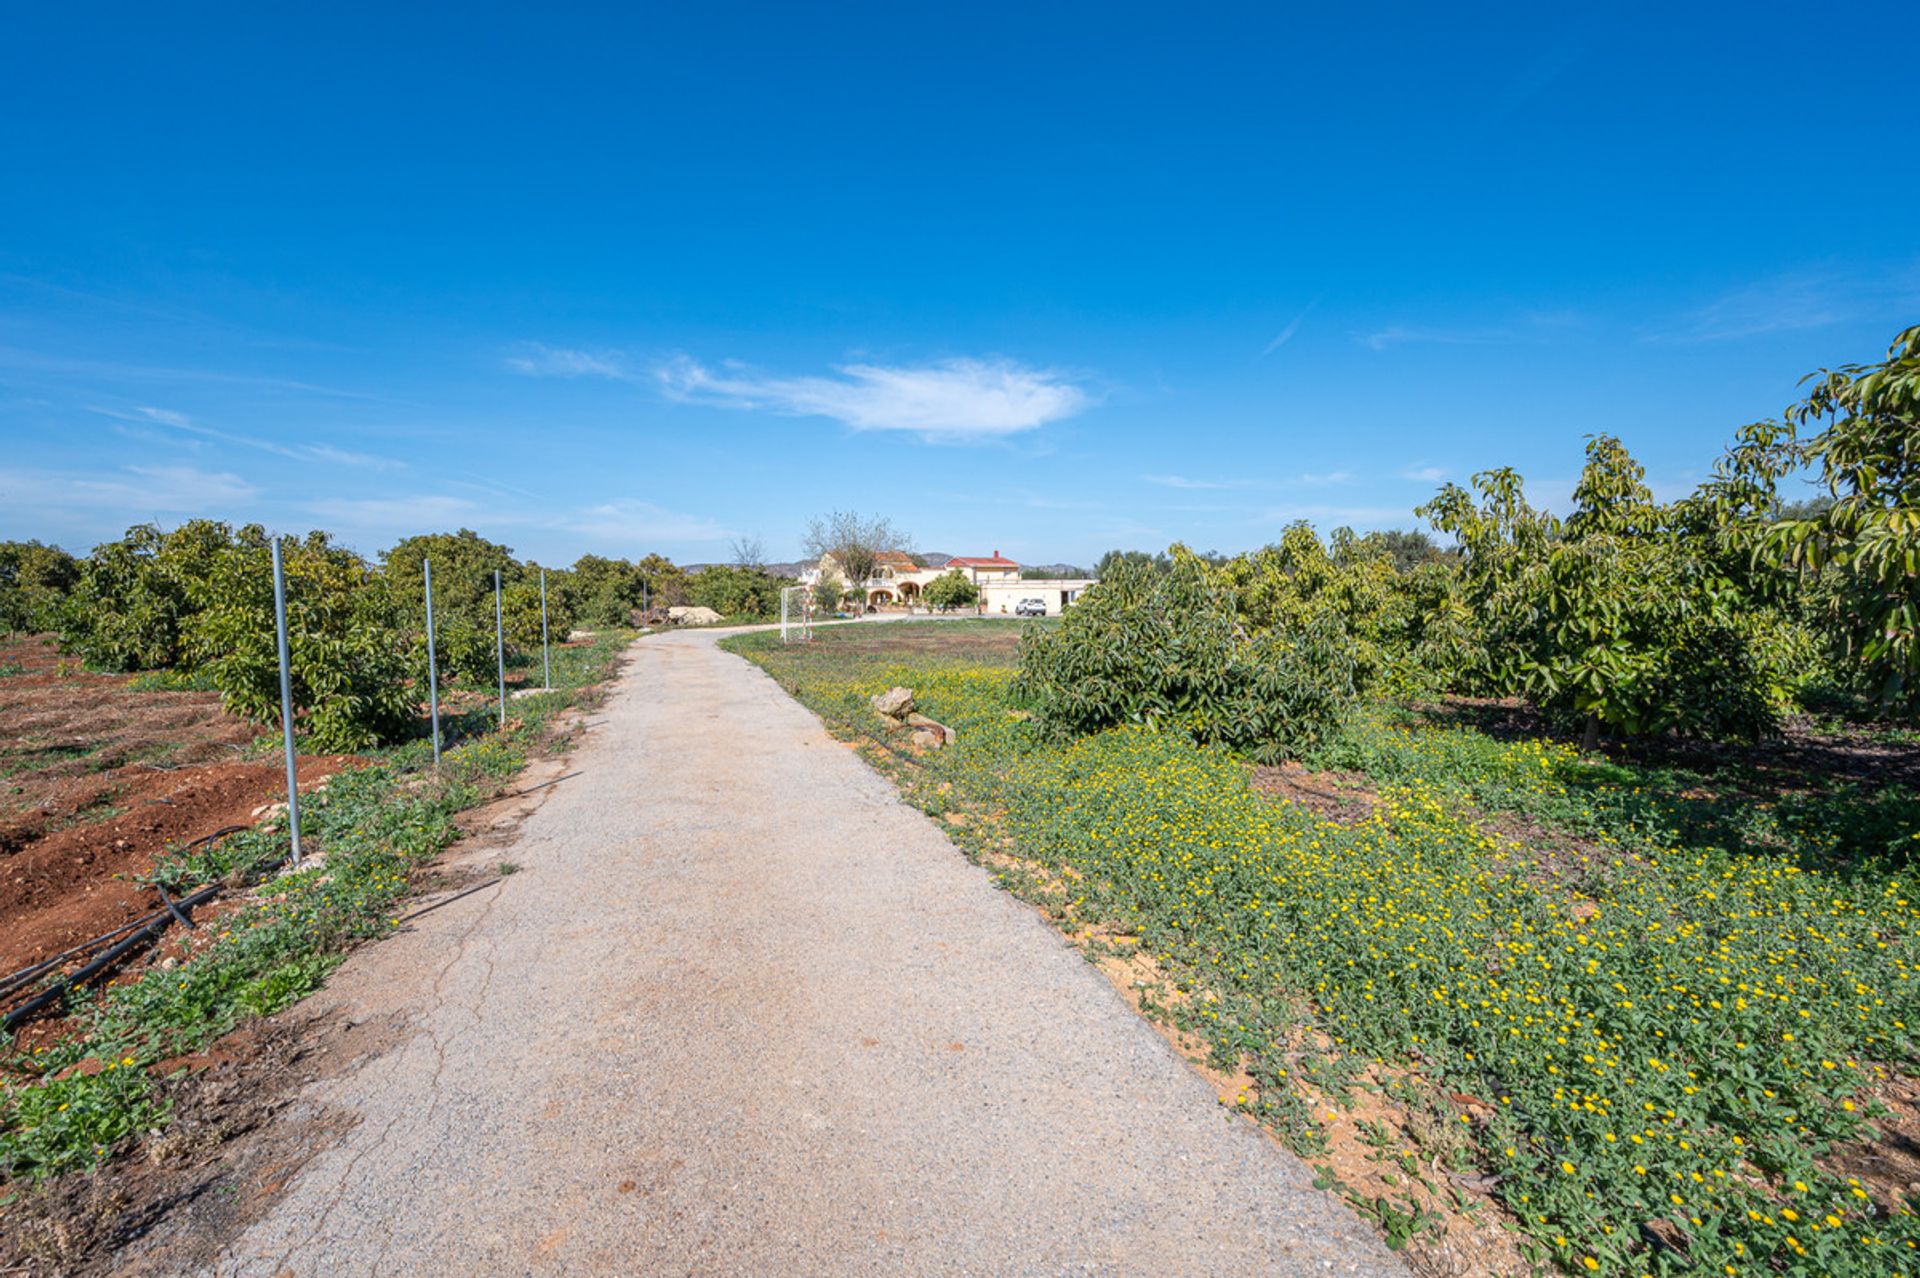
1053 570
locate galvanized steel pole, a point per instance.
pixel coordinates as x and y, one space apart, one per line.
433 672
546 652
500 647
286 700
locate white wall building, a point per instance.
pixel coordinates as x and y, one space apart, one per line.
898 581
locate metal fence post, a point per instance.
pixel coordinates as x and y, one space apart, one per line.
546 651
286 699
500 647
433 664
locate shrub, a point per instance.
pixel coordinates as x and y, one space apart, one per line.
34 582
736 592
348 660
951 590
1164 648
134 597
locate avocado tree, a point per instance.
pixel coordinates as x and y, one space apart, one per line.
1867 540
951 590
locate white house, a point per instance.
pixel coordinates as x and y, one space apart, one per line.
897 581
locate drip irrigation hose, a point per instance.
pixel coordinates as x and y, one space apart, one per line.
29 974
58 989
17 981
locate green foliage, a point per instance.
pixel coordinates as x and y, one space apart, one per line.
951 590
1301 584
347 648
35 581
134 597
1165 649
520 612
1867 540
736 592
1665 1034
607 592
463 568
1625 616
69 1105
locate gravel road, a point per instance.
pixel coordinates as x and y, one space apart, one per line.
743 1012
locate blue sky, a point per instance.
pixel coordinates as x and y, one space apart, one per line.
1043 279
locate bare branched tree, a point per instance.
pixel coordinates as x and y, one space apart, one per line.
854 540
749 552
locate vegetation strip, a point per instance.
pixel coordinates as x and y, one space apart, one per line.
1655 1061
372 830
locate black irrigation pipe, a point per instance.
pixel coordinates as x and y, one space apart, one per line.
26 976
156 925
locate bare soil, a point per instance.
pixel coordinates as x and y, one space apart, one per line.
99 781
1806 753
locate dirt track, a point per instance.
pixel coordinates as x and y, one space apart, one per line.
743 1012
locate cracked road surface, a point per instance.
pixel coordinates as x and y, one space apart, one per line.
743 1012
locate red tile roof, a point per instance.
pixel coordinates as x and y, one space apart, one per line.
981 561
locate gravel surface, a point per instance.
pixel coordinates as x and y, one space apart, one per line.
743 1012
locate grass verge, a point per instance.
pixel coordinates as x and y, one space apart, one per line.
1657 1066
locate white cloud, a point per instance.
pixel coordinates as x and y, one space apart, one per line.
1293 326
635 523
132 492
339 456
1405 335
1424 474
298 452
959 399
1305 480
537 360
409 514
1785 303
1183 482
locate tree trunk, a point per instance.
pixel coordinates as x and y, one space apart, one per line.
1590 741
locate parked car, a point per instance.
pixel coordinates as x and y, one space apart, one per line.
1030 608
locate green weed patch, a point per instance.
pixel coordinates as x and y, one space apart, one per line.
1653 1067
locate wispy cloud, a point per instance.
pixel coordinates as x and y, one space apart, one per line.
1185 482
64 368
132 492
956 400
639 523
299 452
1424 474
535 359
1409 335
387 514
1305 480
1784 303
1293 326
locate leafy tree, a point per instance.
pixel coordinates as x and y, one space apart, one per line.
35 580
348 649
1408 548
1166 649
736 592
662 583
1622 617
463 566
1299 583
828 591
1113 559
951 590
604 592
132 600
1867 454
853 541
